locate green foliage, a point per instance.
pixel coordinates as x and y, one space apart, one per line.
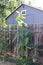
19 61
23 36
23 40
25 62
20 18
3 42
6 7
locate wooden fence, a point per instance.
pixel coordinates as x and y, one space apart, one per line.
36 30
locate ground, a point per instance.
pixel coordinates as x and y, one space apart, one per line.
6 63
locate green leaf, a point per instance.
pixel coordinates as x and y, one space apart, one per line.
22 17
20 23
22 41
32 45
26 41
18 46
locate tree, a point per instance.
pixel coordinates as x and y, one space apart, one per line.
6 7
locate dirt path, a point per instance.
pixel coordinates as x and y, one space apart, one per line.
6 63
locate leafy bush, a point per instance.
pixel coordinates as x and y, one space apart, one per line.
25 62
4 42
19 61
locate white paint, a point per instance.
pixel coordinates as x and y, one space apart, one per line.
24 12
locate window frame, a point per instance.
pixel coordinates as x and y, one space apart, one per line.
23 11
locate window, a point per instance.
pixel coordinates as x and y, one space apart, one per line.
23 12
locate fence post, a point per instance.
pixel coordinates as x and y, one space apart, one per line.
17 41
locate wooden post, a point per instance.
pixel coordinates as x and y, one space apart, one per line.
17 41
26 53
36 39
9 36
9 33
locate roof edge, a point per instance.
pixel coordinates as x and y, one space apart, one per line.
14 11
20 6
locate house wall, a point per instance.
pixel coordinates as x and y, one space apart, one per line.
33 16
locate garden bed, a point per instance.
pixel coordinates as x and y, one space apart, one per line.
16 61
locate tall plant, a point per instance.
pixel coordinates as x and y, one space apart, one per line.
22 35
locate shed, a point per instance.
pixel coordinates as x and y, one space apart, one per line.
34 17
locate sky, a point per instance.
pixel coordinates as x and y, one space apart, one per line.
36 3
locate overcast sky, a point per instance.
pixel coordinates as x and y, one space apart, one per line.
37 3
